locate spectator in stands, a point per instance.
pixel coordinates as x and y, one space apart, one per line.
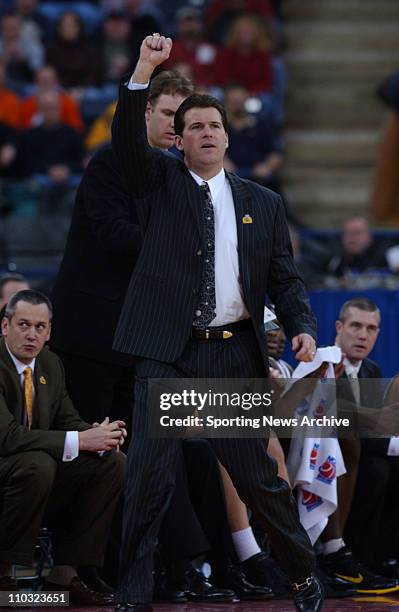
191 47
115 50
10 284
46 79
72 55
310 256
359 253
357 331
51 153
10 103
32 22
8 150
46 448
245 57
99 133
255 150
22 55
220 14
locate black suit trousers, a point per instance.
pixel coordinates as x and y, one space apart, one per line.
152 465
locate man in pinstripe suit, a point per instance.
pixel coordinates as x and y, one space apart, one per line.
213 246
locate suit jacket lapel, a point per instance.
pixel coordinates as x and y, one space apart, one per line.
243 206
42 404
194 199
5 356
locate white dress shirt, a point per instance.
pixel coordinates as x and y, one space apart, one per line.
71 445
230 306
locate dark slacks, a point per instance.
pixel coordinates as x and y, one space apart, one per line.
152 465
79 498
372 529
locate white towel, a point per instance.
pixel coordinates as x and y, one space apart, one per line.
315 463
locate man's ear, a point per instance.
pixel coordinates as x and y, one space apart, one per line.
179 142
4 326
338 327
148 111
49 333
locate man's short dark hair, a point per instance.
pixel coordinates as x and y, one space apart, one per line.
8 278
198 101
362 303
171 83
31 296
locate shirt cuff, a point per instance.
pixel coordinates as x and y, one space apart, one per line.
71 446
132 85
393 447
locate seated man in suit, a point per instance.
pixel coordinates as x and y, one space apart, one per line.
357 332
49 457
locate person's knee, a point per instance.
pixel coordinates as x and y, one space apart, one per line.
116 467
38 470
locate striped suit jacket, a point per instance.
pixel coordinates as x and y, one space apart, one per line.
163 293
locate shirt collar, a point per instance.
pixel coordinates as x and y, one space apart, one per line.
350 367
216 183
19 365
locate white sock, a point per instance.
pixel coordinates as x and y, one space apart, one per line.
333 546
62 574
245 544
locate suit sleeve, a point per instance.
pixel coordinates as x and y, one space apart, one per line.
15 438
109 208
285 287
141 166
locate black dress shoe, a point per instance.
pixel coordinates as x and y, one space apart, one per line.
265 571
133 607
89 575
235 580
170 594
308 595
80 594
257 569
200 589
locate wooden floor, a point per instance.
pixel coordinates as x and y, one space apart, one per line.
358 604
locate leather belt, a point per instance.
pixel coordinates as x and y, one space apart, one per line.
223 332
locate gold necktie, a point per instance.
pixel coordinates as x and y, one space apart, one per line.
28 392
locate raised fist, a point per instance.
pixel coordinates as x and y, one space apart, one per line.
155 49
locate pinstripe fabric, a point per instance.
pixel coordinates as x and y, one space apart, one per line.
151 470
155 324
163 293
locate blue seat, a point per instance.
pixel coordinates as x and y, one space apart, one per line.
91 15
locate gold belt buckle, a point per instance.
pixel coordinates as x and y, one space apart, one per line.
227 335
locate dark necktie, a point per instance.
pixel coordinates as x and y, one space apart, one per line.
206 308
